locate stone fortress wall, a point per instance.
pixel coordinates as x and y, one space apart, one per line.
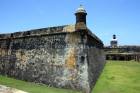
123 52
68 57
122 49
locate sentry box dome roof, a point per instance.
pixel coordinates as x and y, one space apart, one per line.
80 10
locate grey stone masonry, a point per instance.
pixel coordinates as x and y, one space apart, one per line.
68 57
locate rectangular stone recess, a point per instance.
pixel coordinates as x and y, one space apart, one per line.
69 60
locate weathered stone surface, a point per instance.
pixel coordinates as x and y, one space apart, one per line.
68 57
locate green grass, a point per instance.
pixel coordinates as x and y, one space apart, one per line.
30 87
132 60
117 77
124 53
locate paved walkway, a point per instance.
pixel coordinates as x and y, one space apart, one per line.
4 89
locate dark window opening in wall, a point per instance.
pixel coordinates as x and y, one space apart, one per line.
0 36
121 58
107 58
114 58
11 34
28 32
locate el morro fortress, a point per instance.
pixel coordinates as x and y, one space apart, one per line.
69 57
121 52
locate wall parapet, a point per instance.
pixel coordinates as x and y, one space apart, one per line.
80 27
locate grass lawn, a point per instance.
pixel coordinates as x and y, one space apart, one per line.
117 77
30 87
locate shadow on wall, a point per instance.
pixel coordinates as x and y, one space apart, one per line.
107 58
113 58
121 58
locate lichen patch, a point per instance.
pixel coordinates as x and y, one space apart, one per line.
3 52
71 59
48 29
72 75
18 55
73 38
68 78
26 53
10 46
23 63
24 58
81 25
69 28
3 45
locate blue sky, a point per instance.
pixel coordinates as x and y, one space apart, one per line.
104 17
